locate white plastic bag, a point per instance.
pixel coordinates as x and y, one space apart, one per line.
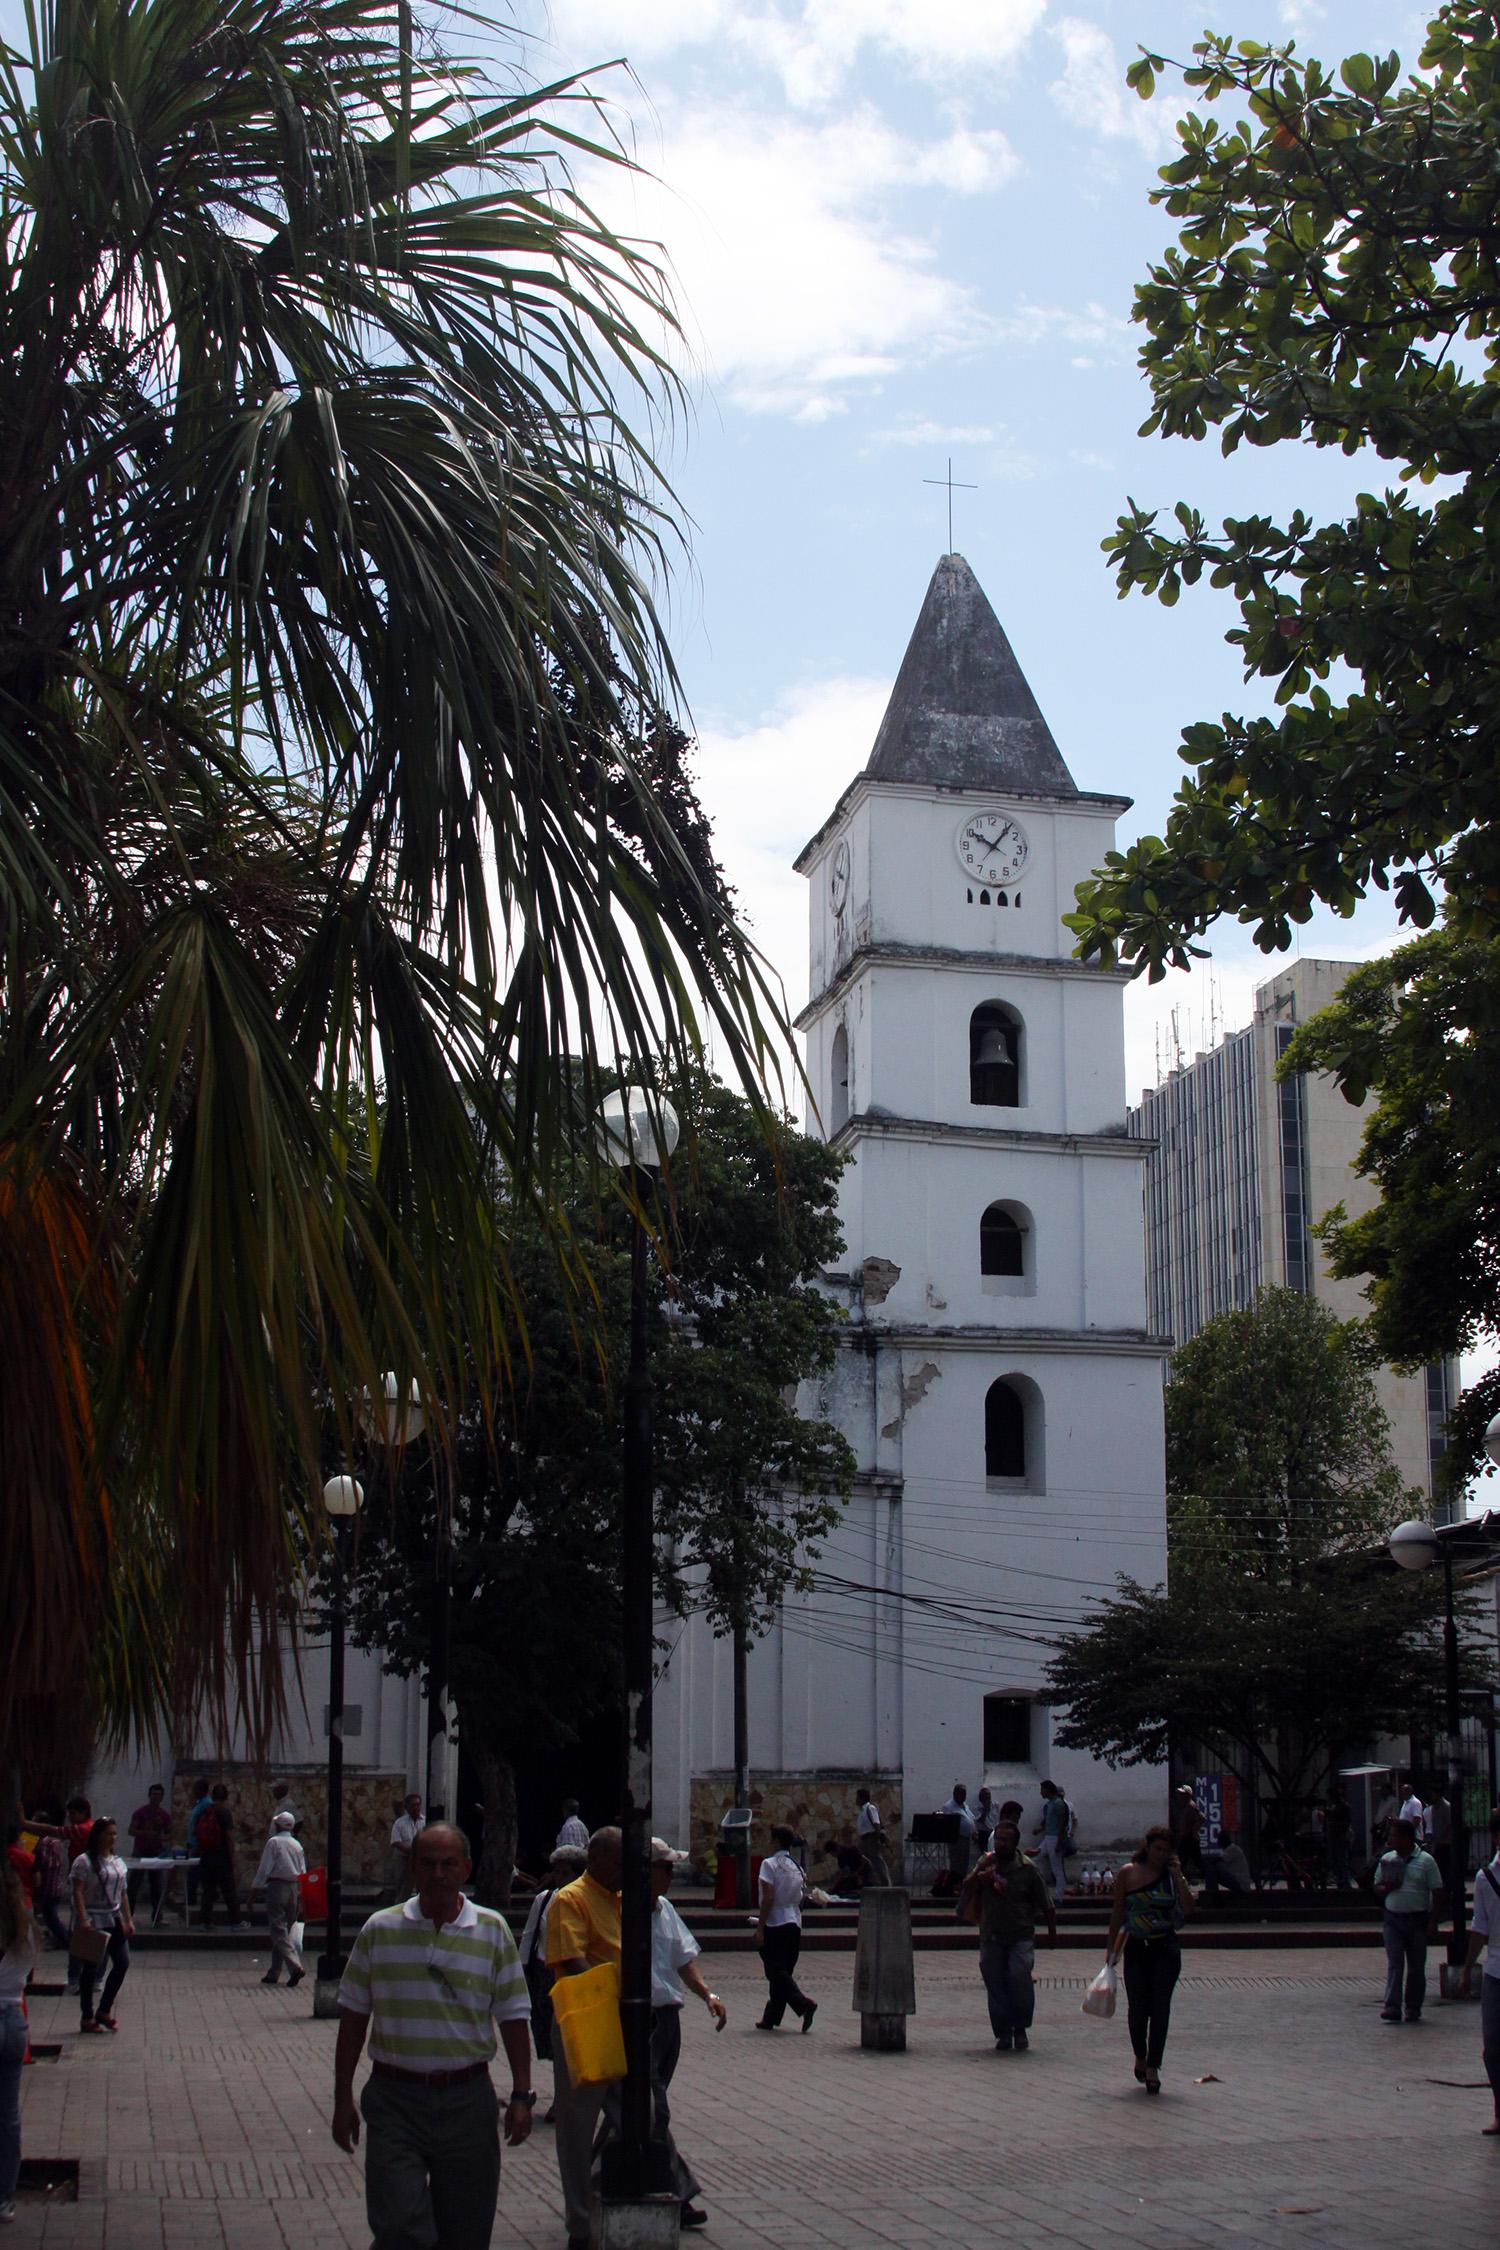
297 1933
1099 2000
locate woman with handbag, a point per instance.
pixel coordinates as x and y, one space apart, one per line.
18 1952
1151 1903
100 1910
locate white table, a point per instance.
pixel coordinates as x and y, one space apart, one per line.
167 1867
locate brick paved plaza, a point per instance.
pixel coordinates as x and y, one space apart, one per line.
205 2121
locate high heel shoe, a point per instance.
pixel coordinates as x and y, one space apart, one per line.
1153 2080
1140 2072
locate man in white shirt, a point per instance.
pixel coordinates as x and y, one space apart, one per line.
674 1964
405 1829
963 1843
1411 1809
778 1933
1484 1936
869 1830
282 1866
572 1836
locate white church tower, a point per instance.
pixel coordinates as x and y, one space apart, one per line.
997 1382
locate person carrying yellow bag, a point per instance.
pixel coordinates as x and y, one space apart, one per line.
586 2011
583 1936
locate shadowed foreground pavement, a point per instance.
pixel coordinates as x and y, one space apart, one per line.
205 2122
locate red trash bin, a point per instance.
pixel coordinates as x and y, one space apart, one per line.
315 1895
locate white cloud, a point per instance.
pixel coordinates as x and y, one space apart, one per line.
811 45
1069 324
794 283
1092 93
934 433
769 786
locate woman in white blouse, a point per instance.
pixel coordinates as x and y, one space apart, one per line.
99 1900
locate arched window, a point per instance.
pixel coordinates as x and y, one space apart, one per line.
838 1108
1002 1242
995 1057
1004 1431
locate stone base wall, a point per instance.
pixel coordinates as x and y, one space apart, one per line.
372 1799
820 1806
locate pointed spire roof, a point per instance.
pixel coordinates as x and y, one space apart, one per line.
961 713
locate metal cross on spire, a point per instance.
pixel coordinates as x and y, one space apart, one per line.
952 488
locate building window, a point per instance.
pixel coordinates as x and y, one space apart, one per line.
1007 1730
838 1109
1002 1242
1004 1432
995 1057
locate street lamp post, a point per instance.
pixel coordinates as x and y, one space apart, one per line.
637 1135
342 1498
394 1422
1417 1546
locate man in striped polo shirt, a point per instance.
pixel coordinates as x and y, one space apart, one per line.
429 1981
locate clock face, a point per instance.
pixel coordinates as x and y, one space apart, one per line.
991 848
838 877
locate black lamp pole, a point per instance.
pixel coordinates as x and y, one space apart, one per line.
637 1595
331 1965
638 1133
1458 1846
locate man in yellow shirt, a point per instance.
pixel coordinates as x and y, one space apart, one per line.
583 1930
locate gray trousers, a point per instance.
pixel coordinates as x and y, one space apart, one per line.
578 2109
283 1906
432 2163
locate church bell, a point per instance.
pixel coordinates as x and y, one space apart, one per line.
993 1049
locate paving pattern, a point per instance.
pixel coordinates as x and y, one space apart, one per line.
1291 2115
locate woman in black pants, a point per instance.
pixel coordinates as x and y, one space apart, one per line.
99 1903
1151 1903
778 1933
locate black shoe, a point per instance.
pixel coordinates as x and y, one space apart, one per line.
762 2025
1021 2042
275 1980
811 2011
691 2216
1414 2016
1390 2015
1004 2043
294 1978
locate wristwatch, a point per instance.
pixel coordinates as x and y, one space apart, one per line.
529 2099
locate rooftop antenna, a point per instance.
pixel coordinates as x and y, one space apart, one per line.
952 488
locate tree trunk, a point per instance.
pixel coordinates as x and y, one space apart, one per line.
497 1786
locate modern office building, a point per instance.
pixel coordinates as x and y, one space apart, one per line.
1243 1168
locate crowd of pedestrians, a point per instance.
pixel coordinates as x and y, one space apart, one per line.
435 1983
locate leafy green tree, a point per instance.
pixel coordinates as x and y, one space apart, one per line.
745 1485
1280 1638
329 672
1420 1030
1332 285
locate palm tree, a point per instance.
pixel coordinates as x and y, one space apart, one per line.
327 537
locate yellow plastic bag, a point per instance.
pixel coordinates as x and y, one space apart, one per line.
587 2013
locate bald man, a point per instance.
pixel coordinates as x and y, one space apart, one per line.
429 1981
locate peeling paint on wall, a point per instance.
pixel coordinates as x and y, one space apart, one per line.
914 1389
880 1277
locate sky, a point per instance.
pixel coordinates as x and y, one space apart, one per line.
904 233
